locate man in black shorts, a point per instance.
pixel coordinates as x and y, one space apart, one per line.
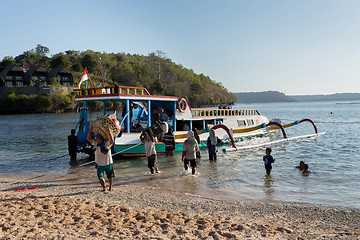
149 142
190 148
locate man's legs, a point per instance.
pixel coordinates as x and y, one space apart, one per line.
110 183
102 182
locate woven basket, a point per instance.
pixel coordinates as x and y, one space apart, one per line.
102 126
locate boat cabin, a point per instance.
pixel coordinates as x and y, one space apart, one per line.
140 110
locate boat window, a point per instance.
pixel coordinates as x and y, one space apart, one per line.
182 125
241 123
250 122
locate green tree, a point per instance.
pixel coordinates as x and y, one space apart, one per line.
7 61
41 50
157 87
76 67
89 62
42 103
60 60
53 81
34 57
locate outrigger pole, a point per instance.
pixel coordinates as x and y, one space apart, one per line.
278 126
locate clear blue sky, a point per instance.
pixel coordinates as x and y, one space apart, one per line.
296 47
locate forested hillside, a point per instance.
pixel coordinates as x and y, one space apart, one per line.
269 96
156 72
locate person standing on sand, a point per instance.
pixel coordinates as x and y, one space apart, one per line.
73 141
189 152
103 158
149 142
268 160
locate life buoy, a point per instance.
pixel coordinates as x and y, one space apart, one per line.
182 102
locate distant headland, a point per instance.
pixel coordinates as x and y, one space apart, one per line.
275 96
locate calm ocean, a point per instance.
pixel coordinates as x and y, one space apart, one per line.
37 144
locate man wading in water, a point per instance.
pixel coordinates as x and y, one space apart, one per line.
190 148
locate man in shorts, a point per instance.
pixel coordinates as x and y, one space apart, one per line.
190 148
149 142
103 159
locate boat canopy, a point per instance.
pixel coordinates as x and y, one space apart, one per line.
141 115
119 93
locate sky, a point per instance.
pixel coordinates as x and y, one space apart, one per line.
295 47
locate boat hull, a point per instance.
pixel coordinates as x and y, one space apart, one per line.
136 148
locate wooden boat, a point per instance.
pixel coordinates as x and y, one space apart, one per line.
230 125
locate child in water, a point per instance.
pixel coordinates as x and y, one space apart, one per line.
268 160
306 169
301 166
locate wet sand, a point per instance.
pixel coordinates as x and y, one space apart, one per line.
67 208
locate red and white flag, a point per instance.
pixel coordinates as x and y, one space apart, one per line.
84 77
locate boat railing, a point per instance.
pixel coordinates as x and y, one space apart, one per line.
117 90
223 112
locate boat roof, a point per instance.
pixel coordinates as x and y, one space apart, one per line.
119 93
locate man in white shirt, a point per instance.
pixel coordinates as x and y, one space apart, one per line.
103 158
149 142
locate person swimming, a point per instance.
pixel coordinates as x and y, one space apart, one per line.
306 169
301 166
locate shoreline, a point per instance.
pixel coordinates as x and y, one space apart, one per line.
65 205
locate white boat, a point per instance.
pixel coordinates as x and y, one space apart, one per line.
230 125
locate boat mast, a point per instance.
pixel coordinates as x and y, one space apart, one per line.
128 117
174 120
149 114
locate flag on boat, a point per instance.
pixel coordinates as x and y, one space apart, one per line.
85 77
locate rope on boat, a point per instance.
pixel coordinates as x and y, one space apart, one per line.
84 164
58 157
4 184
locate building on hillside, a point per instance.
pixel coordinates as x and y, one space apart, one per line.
14 76
63 75
39 76
25 67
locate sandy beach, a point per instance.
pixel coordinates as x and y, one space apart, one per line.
68 208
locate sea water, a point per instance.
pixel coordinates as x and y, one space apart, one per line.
36 144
